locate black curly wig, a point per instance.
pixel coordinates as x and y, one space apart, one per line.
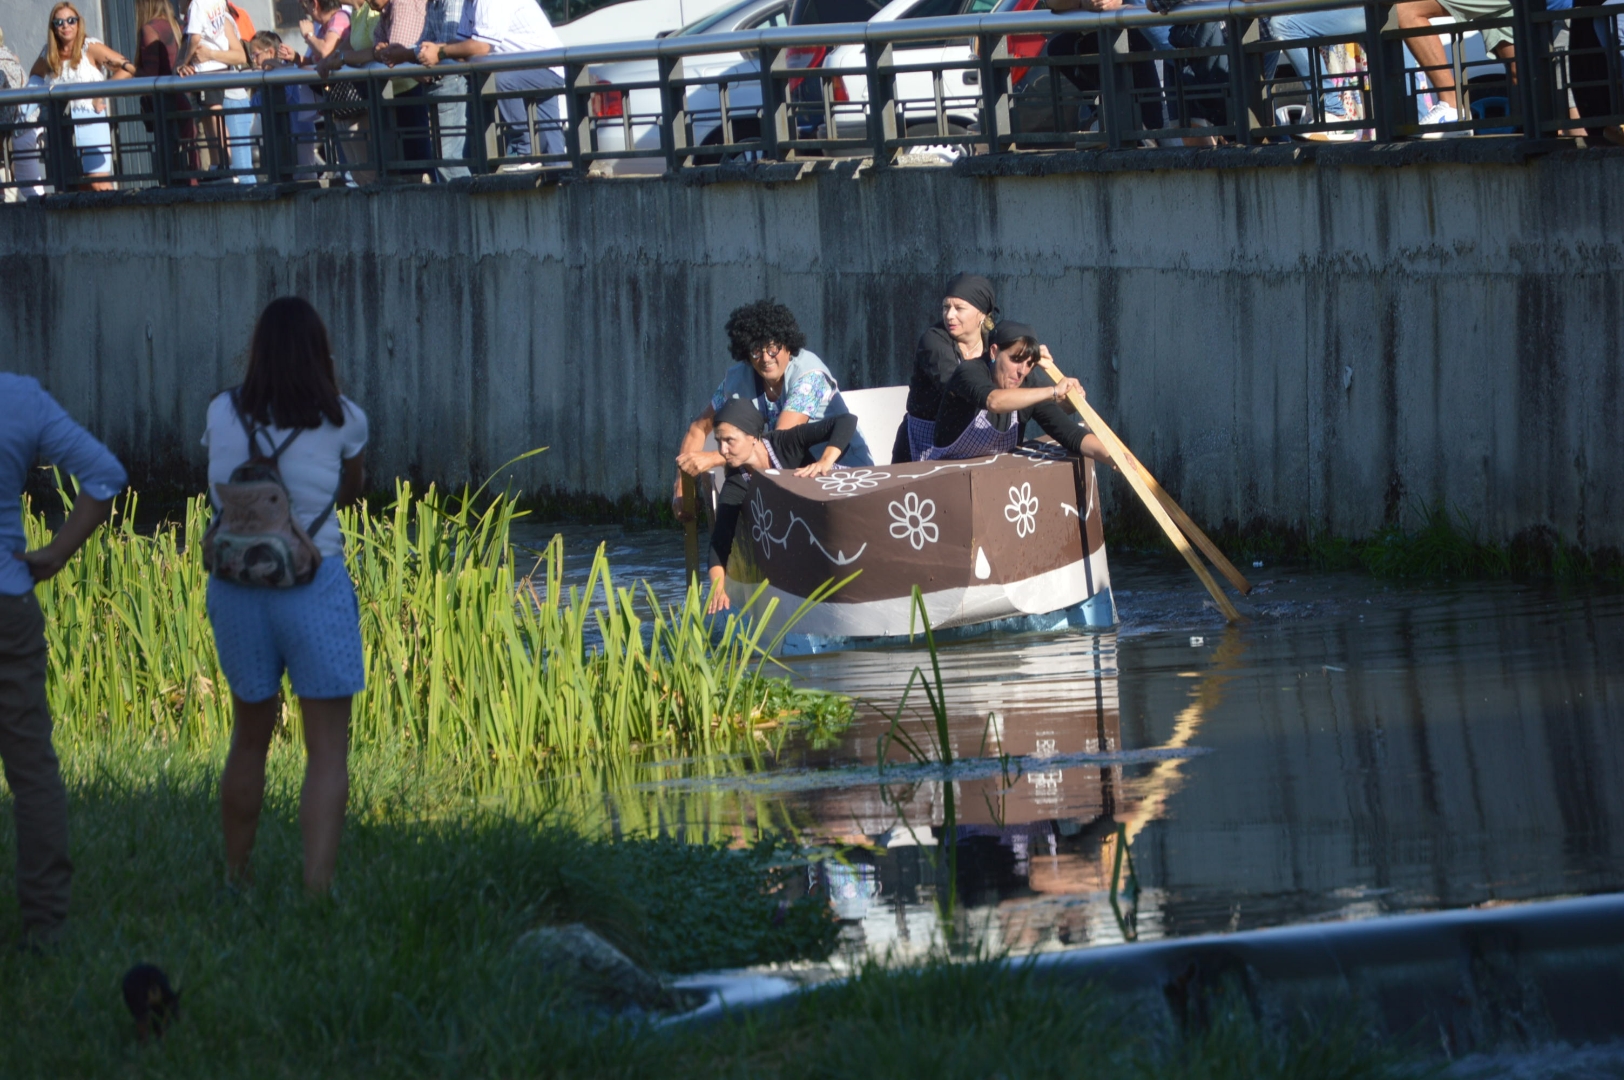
753 326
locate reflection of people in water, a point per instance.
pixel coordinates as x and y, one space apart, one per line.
747 447
962 333
772 368
987 403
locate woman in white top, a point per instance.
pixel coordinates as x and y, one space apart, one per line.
71 57
311 631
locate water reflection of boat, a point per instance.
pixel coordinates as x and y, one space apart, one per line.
1010 541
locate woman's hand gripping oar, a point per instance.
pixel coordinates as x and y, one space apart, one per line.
1137 479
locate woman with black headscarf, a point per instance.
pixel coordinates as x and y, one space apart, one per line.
748 447
967 309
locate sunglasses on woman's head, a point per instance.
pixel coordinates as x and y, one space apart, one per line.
71 20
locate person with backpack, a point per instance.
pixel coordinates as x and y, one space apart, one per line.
285 454
34 426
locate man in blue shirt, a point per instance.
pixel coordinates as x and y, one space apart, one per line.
32 426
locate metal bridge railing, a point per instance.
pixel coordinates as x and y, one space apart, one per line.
998 83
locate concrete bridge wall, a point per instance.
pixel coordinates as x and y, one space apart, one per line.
1322 345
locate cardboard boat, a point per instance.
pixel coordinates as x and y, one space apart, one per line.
1008 542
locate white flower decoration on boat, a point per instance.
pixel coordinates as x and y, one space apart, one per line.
761 519
912 521
851 481
1022 510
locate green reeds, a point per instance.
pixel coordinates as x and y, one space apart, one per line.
468 659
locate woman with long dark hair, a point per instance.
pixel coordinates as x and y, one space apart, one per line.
290 411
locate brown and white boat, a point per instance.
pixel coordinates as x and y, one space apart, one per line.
1008 542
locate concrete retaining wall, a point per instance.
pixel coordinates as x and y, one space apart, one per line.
1318 345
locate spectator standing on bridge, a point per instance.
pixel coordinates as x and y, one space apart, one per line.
70 56
501 27
394 41
1429 53
33 426
157 49
212 45
289 406
449 114
354 51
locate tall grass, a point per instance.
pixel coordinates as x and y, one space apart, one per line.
469 659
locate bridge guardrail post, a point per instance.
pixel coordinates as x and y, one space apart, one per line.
578 132
674 113
995 90
882 103
1110 39
1533 57
774 121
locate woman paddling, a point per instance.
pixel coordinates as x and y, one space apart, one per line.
987 403
775 371
967 310
743 441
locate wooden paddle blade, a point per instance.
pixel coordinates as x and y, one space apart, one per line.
1136 480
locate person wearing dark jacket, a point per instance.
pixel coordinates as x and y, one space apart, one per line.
961 334
748 447
987 403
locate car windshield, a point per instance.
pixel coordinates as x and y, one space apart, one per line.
705 24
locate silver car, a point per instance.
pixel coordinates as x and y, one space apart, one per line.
629 119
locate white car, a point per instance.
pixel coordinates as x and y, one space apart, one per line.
634 20
921 115
629 119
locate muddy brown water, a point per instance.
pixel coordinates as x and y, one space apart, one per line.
1360 748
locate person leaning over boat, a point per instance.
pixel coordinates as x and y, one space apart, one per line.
967 310
774 370
748 447
987 403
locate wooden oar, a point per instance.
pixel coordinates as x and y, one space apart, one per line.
690 529
1184 521
1136 480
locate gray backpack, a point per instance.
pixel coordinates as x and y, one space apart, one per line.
254 539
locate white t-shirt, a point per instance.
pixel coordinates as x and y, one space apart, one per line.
508 26
311 466
207 19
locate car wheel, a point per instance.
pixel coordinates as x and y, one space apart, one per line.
945 151
744 131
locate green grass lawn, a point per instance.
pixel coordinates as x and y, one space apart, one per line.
410 972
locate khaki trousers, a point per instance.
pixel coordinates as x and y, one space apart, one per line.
39 801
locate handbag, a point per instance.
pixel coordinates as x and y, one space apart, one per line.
346 100
254 538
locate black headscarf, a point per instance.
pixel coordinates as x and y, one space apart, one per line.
1009 332
743 415
974 290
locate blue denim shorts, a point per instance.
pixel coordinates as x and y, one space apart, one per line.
313 632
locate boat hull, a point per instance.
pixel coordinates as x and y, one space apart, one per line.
1012 541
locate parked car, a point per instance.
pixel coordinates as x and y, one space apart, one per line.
743 82
634 20
921 114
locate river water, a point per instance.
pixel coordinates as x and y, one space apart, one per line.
1358 749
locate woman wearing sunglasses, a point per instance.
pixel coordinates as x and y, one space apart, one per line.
71 57
775 370
987 402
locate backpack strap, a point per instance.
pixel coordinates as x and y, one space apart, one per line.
321 518
253 434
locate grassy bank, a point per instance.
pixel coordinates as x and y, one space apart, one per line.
412 971
470 659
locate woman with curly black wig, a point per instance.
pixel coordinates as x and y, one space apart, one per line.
775 371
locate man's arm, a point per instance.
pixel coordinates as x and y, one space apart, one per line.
430 53
87 513
399 44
